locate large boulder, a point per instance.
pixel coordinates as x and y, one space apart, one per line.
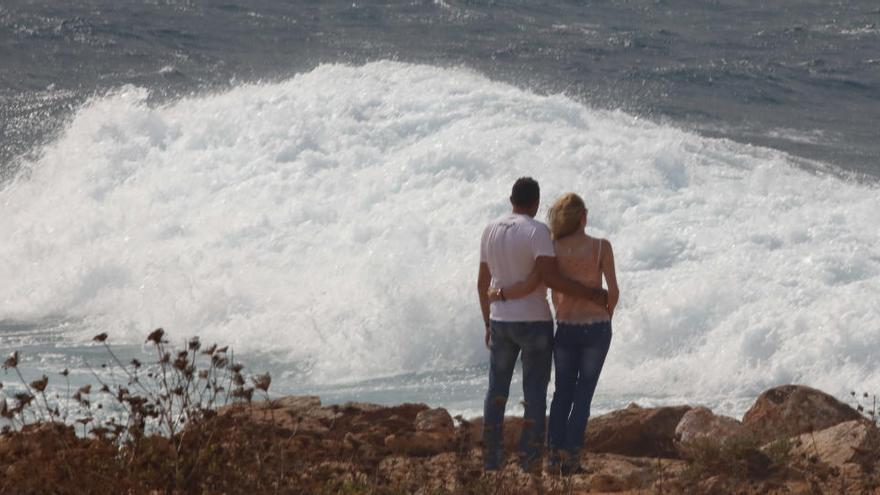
856 441
434 434
701 423
635 431
434 420
790 410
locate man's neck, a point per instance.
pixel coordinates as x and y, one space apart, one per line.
522 211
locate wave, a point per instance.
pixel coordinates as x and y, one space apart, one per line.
333 219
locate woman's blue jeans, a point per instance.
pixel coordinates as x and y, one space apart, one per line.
535 340
578 352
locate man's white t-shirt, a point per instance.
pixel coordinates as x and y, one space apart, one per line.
510 245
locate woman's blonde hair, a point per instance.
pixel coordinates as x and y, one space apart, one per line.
564 217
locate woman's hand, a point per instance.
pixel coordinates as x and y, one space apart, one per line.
494 294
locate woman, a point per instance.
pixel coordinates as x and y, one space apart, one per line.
583 330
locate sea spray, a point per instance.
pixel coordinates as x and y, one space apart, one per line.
333 219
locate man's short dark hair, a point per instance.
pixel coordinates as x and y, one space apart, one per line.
525 192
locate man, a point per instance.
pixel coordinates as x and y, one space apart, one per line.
511 247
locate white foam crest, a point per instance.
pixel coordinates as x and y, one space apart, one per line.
334 219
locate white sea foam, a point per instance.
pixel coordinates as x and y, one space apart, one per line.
334 218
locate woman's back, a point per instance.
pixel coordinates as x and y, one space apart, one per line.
580 258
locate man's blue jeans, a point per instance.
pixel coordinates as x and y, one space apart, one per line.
579 352
535 340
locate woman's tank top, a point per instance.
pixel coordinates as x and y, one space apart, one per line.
579 259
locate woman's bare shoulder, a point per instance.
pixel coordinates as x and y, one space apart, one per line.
603 244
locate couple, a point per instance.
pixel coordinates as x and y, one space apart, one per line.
519 258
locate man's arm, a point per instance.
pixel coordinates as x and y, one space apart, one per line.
549 269
517 290
484 278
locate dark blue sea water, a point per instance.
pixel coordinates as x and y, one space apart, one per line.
307 180
802 76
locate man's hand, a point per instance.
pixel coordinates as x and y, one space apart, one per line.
495 294
600 297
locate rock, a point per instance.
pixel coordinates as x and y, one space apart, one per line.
606 483
301 414
512 430
613 473
420 443
798 487
301 421
790 410
361 407
856 441
306 425
434 420
701 423
352 441
294 403
6 446
635 431
716 484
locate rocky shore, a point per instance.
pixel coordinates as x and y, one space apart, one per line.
793 440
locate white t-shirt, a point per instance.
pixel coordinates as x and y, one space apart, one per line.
509 246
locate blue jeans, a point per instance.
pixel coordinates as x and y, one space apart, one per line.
579 352
535 340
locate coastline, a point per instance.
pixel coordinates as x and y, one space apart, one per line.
793 439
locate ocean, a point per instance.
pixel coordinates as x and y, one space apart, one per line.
307 182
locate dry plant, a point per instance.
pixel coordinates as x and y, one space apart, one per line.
166 434
866 404
737 458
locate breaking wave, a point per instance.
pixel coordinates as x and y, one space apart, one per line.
333 220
